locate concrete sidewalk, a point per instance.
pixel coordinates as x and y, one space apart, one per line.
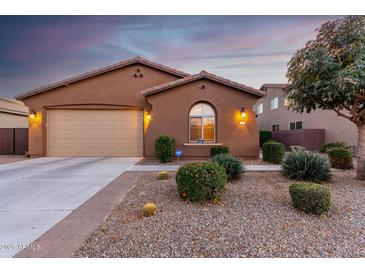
176 167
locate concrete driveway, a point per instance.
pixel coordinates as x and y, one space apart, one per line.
36 194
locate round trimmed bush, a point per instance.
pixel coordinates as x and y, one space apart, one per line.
218 150
201 181
233 166
164 148
311 197
273 152
329 146
340 158
306 166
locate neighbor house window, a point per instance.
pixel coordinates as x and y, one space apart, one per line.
260 108
275 127
296 125
202 123
299 125
274 103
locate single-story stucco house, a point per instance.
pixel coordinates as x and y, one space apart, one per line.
121 109
13 114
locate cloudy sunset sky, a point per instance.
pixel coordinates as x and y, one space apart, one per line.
38 50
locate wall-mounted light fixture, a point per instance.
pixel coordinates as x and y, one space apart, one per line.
148 115
32 114
243 116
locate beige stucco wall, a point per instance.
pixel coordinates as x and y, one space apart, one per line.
111 90
170 116
13 114
9 120
337 128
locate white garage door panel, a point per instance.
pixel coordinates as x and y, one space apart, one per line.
95 132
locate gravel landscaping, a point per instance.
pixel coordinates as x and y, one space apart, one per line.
185 160
254 219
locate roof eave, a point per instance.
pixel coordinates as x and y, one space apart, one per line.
149 92
100 71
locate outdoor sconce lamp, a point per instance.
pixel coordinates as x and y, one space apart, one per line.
148 115
32 114
243 116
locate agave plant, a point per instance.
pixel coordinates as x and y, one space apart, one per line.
307 166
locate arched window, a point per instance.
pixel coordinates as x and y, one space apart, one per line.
202 123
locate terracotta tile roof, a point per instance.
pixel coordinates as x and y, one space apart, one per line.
101 71
266 86
202 75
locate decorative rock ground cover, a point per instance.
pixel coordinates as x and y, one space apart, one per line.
254 219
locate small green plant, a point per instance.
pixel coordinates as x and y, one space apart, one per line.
273 152
201 181
311 197
233 166
149 209
271 141
163 175
265 136
164 148
218 150
306 166
340 158
327 147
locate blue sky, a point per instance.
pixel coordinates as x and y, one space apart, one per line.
38 50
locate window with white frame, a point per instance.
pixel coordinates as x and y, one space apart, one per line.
274 104
260 108
202 123
275 127
296 125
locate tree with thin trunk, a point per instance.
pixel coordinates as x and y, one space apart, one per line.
329 74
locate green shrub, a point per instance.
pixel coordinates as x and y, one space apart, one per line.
311 197
164 148
327 147
273 152
218 150
233 166
271 141
340 158
306 166
264 136
201 181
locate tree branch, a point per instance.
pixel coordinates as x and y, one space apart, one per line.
361 97
339 113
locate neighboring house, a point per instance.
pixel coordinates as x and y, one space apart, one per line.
13 114
273 114
13 127
121 109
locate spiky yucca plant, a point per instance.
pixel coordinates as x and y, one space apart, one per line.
306 166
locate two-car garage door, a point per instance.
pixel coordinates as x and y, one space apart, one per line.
94 132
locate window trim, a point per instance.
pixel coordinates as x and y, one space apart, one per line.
273 126
277 103
201 117
258 108
295 125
